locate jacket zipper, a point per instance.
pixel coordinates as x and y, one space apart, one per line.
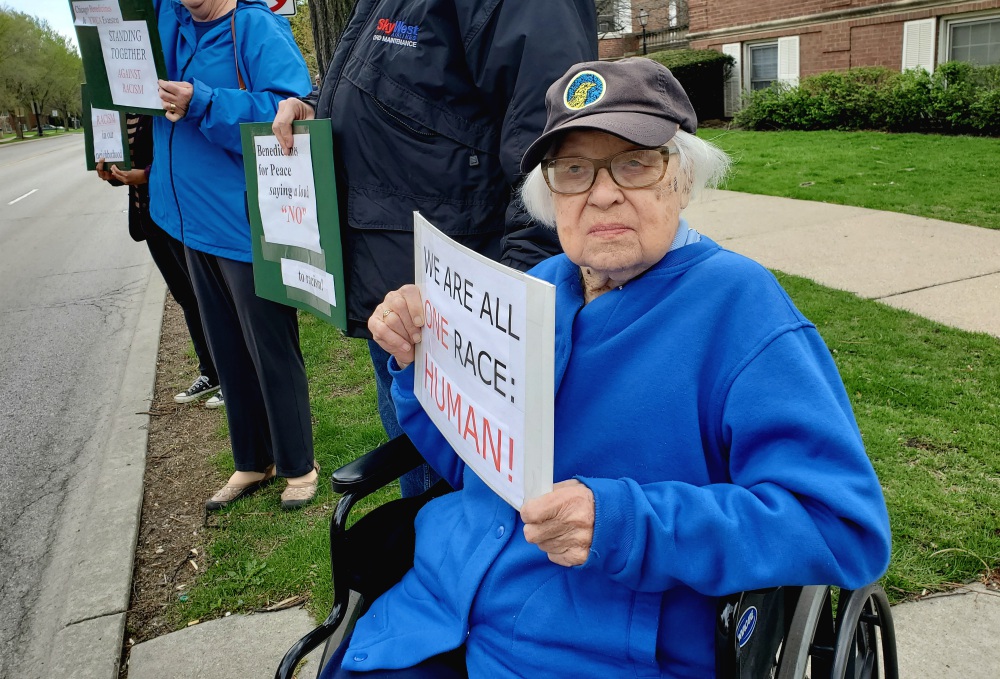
400 120
173 128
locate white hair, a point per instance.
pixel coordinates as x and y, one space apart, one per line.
703 166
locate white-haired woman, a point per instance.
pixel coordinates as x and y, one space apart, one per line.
704 444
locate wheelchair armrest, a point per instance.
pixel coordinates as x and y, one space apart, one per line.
377 468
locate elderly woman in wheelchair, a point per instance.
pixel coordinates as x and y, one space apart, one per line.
704 443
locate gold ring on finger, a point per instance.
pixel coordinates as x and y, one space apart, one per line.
173 107
386 313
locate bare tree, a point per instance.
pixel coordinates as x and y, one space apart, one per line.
607 17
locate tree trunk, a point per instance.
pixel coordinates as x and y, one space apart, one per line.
329 18
38 119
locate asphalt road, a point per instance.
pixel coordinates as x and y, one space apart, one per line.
71 286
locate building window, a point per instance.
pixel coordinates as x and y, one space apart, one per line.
976 41
614 18
762 65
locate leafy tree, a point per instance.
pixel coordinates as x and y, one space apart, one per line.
38 66
302 30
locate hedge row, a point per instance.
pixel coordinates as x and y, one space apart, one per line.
703 74
958 98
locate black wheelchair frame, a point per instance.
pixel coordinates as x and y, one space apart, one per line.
780 633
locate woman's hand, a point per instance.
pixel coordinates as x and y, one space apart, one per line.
395 324
176 96
133 177
106 175
289 111
561 523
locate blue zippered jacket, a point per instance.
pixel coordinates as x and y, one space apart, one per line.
197 185
433 103
708 418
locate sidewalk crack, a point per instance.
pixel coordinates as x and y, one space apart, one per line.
937 285
92 617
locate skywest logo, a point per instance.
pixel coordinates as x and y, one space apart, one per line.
396 32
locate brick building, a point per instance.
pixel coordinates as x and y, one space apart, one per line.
620 29
785 40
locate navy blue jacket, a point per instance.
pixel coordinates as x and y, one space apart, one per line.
433 103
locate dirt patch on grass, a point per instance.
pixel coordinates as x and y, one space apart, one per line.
179 478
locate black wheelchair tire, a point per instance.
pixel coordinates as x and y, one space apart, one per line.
866 638
806 625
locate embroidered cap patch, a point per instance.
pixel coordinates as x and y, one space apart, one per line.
586 88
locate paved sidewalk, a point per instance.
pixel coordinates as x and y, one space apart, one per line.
946 272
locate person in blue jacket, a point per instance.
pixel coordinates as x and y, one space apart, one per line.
228 63
433 103
704 442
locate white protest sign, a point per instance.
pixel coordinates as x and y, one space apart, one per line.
128 58
286 193
284 7
108 142
309 278
96 12
489 395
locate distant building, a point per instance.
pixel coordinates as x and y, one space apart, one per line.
620 30
783 40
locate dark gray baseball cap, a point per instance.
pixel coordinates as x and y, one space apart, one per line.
636 99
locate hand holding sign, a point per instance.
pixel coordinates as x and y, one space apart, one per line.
175 96
289 111
396 323
561 523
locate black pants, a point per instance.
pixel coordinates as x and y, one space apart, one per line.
168 255
255 343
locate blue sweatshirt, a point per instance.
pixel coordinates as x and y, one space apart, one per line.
708 418
197 186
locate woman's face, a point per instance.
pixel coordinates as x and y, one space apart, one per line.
617 233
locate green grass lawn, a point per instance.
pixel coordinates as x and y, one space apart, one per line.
926 397
944 177
33 134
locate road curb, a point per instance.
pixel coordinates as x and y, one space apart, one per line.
99 582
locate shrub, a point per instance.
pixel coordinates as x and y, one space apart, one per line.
958 98
703 74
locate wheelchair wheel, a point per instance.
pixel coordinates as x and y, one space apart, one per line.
808 646
865 646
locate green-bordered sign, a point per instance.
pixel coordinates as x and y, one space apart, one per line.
294 222
122 55
104 135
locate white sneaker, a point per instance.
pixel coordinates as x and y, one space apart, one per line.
199 389
216 401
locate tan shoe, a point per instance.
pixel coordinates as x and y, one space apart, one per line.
234 491
301 491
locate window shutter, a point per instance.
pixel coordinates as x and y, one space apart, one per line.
788 60
918 44
733 88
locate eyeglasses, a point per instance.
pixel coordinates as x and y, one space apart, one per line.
634 169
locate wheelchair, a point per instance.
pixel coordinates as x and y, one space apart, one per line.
779 633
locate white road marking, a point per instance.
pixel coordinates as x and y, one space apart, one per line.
22 197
